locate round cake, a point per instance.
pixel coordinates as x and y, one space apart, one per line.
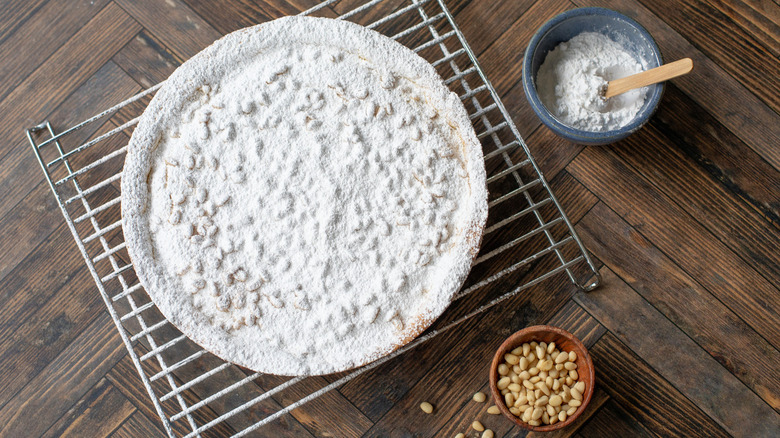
303 196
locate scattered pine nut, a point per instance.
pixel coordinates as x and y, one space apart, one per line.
479 397
476 425
426 407
493 410
487 434
460 435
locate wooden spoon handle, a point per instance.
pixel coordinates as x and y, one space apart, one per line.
649 77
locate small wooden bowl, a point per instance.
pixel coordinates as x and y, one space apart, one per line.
565 341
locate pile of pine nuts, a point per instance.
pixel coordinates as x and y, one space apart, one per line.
540 383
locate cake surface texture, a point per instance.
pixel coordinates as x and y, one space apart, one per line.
303 196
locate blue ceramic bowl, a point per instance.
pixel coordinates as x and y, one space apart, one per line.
632 36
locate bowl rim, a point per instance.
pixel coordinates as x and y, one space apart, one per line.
509 344
581 135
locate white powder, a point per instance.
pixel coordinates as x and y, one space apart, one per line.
309 207
569 80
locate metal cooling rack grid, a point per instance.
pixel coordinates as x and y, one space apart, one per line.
193 391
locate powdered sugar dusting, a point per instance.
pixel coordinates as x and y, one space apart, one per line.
569 80
309 210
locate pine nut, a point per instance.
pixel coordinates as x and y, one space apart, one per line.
515 411
553 373
571 411
545 418
521 400
534 379
504 391
574 374
555 400
559 366
549 382
572 356
540 352
479 397
535 423
487 434
528 384
580 386
525 375
561 416
569 381
575 403
554 419
526 349
509 399
460 435
517 351
514 387
527 414
503 370
550 411
524 363
537 393
426 407
551 347
493 410
537 414
533 371
522 408
516 369
556 385
541 401
476 425
511 359
543 375
562 357
516 379
545 389
570 366
530 356
503 382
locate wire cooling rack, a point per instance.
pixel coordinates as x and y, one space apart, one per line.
196 393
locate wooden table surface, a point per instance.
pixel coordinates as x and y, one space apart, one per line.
682 218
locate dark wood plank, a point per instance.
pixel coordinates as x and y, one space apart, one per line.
15 14
673 355
645 395
35 216
64 380
229 16
761 19
729 45
146 60
669 289
66 70
501 15
98 413
42 34
174 24
719 152
139 425
733 105
743 230
681 238
613 420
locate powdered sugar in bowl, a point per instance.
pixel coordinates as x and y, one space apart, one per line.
577 115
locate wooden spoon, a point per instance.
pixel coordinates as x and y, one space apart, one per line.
649 77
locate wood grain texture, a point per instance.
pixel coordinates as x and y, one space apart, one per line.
624 312
683 218
689 306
